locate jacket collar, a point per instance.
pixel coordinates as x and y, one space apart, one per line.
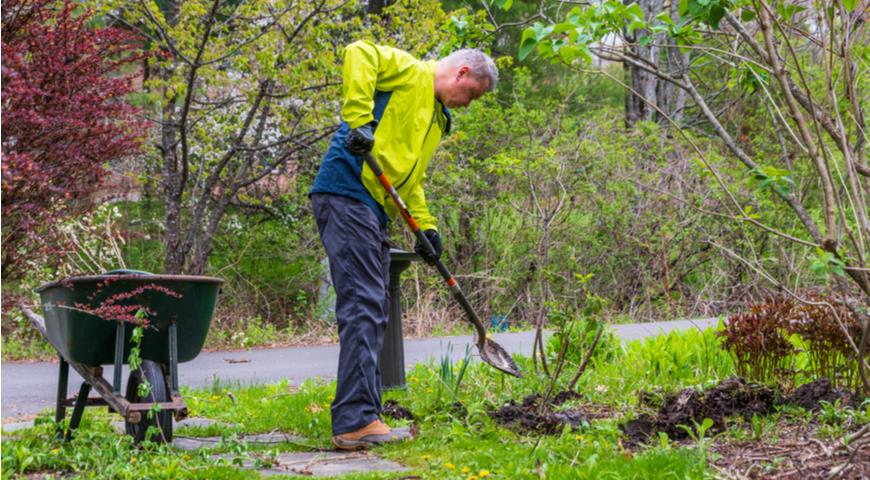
448 115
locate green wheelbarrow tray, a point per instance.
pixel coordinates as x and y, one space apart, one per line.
87 339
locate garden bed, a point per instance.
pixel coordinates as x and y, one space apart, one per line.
681 413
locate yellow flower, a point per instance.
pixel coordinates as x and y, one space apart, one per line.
133 460
578 437
472 477
54 450
426 457
465 469
215 397
483 473
185 457
449 466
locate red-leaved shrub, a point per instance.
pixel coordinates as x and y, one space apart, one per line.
757 340
64 118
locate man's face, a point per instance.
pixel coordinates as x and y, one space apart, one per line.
462 88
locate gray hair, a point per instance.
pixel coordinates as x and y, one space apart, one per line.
481 64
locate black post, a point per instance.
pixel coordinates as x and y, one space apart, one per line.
392 358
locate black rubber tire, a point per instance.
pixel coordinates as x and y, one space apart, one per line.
153 373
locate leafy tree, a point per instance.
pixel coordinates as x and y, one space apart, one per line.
245 92
801 63
64 119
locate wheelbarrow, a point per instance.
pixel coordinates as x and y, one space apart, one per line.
179 312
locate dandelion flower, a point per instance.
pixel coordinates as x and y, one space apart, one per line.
483 473
465 469
449 466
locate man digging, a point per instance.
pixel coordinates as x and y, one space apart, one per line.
395 107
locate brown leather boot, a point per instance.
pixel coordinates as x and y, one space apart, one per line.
375 433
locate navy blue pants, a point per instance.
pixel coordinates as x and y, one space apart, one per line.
359 263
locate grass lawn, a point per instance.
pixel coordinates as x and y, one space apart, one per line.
454 441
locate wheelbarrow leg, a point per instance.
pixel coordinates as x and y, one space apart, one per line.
173 360
119 357
62 383
79 409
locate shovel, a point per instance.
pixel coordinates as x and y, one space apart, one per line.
490 352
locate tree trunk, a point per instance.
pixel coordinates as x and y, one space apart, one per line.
651 98
375 7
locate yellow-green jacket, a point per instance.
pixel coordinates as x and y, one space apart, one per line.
396 91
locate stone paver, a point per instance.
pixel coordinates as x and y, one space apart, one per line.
194 443
273 438
11 427
325 463
118 425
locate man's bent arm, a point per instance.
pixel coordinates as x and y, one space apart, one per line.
368 67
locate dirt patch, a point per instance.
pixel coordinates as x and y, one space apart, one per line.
458 409
395 411
534 415
688 407
731 397
810 395
795 454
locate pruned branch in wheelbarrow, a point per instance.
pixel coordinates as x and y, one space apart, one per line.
110 309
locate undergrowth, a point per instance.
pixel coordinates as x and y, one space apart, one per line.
455 441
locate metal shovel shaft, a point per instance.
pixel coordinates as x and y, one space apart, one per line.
490 352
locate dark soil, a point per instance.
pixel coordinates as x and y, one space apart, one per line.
731 397
810 395
534 415
458 409
395 411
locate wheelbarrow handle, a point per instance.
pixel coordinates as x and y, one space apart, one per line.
452 284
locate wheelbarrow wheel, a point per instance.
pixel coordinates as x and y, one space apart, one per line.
153 373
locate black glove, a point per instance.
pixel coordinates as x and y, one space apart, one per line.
360 140
435 240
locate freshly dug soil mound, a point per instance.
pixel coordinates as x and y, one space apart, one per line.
731 397
395 411
535 416
808 396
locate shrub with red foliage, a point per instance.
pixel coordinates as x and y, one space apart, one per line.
64 118
830 352
757 340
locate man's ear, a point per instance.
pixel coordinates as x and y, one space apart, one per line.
462 71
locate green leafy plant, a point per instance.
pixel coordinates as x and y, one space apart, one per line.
451 377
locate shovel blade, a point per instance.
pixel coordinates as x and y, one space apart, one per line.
496 356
